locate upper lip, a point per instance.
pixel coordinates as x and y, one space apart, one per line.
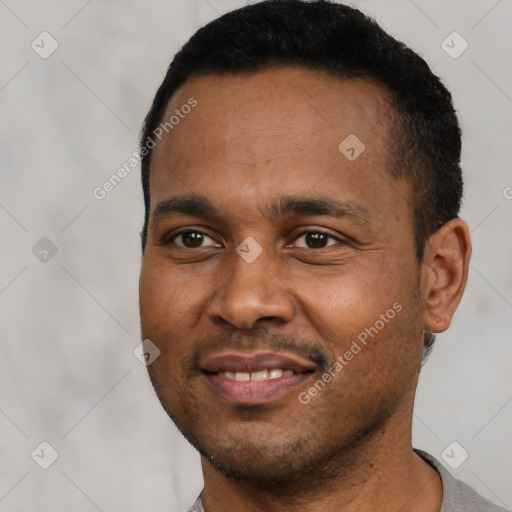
256 361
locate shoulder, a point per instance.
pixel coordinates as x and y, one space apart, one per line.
458 496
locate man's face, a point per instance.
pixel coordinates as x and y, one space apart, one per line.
269 253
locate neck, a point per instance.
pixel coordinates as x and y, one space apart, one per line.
381 473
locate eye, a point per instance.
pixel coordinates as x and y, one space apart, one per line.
193 239
315 240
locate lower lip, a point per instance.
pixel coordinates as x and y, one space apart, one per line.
255 392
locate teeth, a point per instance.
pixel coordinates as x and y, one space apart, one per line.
275 373
263 375
272 373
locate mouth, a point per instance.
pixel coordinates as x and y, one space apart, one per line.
256 378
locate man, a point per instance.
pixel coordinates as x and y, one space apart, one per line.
301 244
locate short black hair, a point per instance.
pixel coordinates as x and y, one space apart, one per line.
341 40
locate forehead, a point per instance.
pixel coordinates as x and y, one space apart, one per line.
281 101
285 130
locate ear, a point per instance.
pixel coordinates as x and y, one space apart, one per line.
444 273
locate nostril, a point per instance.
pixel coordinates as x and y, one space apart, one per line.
267 319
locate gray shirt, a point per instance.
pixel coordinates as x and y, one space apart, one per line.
457 496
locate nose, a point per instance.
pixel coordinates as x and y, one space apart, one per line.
250 294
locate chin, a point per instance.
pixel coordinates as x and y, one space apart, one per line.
253 452
270 458
258 465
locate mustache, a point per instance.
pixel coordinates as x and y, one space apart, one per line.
307 349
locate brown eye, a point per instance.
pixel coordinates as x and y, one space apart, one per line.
193 240
314 240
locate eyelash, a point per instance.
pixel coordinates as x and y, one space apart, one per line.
320 232
171 240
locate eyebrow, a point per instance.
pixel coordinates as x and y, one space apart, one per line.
201 206
193 205
307 205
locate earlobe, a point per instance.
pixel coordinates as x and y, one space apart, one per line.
444 273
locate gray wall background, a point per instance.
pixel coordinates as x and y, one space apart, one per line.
69 321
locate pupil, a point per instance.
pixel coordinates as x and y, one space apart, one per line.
192 239
316 240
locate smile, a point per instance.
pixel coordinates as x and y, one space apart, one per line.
273 373
256 378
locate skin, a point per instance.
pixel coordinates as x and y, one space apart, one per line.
252 141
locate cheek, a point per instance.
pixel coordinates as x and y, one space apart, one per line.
172 304
167 298
345 301
164 313
157 303
374 344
